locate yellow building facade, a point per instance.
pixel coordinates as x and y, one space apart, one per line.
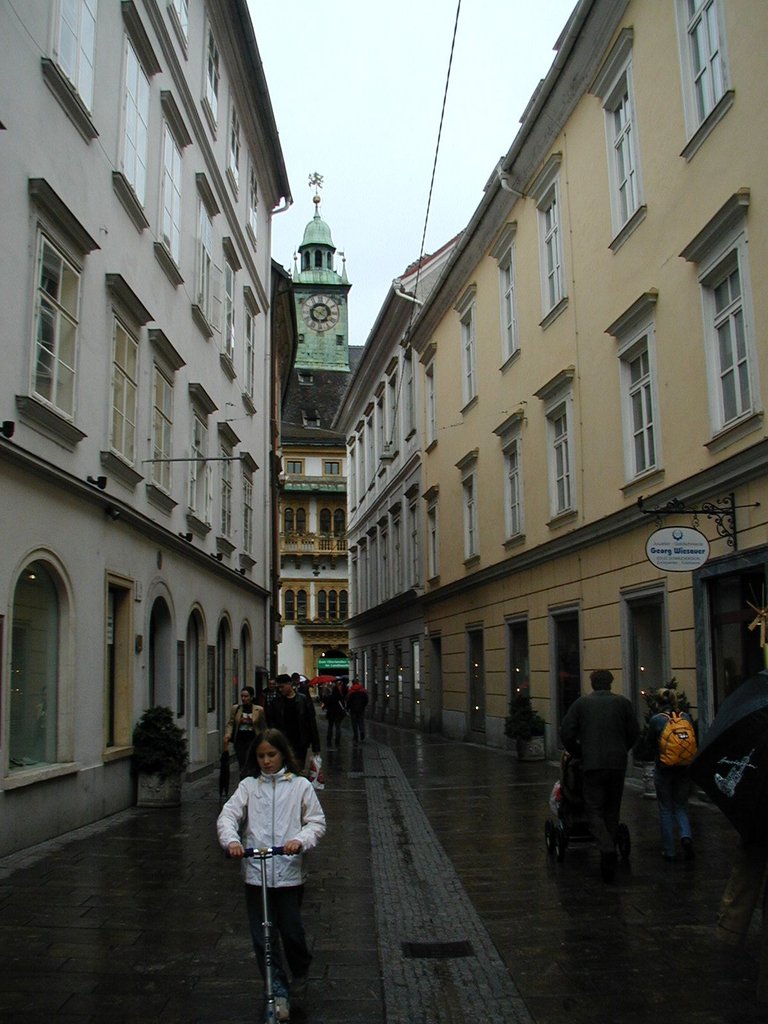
595 356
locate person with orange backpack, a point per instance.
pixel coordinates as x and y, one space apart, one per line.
672 733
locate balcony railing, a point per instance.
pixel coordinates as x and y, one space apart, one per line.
313 544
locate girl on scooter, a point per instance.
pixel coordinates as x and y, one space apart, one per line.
277 807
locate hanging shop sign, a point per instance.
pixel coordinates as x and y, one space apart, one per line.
677 549
324 664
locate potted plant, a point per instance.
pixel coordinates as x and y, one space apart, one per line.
160 757
644 750
526 727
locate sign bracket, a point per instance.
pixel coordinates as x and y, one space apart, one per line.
723 512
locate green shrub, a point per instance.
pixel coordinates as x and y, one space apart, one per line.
522 722
159 745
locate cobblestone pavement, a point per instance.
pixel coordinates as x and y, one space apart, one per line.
431 899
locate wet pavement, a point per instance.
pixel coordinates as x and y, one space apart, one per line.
431 899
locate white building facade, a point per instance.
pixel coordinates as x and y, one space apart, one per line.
139 171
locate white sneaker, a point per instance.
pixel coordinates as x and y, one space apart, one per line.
283 1008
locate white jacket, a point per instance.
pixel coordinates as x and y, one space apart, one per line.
270 810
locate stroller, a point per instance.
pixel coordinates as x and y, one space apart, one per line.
568 823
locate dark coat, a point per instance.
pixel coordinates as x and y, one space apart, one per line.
601 728
300 728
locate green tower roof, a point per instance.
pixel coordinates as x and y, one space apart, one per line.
317 231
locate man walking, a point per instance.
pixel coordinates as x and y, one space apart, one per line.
601 728
294 715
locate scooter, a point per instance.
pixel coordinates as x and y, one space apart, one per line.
263 856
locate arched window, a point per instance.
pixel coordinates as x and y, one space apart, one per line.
329 261
333 608
301 604
34 700
305 261
289 605
322 604
318 259
343 604
339 522
288 520
325 520
301 520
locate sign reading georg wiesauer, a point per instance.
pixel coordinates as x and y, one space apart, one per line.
677 549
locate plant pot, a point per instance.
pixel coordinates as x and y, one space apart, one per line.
158 790
531 750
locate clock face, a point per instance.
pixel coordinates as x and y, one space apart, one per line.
320 312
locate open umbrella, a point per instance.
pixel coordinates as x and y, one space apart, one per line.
319 680
224 775
732 764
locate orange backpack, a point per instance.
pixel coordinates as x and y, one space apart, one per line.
677 743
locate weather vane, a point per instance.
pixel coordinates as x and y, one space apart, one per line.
315 181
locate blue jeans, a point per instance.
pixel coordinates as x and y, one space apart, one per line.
287 925
672 788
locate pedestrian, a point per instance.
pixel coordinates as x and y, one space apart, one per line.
335 713
672 782
294 715
600 728
269 694
277 807
357 702
246 721
748 881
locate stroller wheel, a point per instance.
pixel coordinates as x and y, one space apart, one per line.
549 836
623 841
561 842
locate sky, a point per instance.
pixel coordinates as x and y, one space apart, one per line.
357 89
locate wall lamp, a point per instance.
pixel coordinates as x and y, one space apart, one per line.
98 481
7 428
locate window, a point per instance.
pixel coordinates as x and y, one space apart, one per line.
721 251
703 59
136 123
468 469
558 402
289 605
466 309
125 360
233 164
199 472
249 355
205 265
332 468
301 604
635 334
253 206
339 522
510 434
76 45
325 520
212 79
433 538
229 310
414 547
119 663
301 521
475 647
38 629
225 490
171 195
615 88
294 467
546 193
56 325
381 427
181 10
384 571
504 253
343 604
560 448
288 520
517 649
322 604
409 387
393 432
431 404
397 554
162 429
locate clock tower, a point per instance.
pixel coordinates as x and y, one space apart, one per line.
320 295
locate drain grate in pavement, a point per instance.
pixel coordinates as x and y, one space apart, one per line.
437 950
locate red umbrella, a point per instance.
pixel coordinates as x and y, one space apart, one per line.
319 680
